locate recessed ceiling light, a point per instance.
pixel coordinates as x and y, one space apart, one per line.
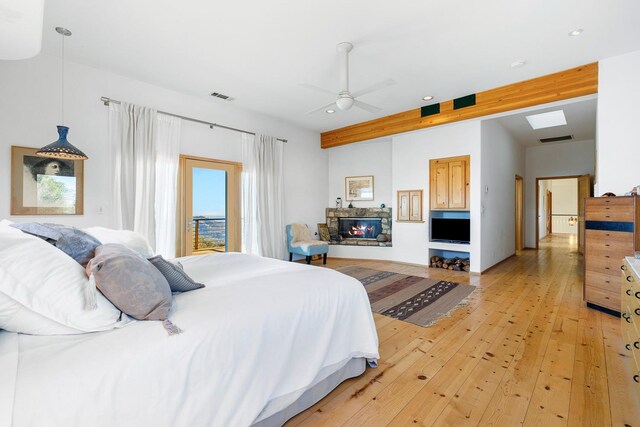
331 111
547 120
427 98
518 64
576 32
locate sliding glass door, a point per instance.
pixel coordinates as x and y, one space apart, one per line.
209 205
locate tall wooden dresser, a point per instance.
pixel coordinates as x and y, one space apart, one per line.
610 235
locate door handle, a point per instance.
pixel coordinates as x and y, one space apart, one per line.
188 225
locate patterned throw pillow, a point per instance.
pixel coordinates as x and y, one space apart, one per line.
178 280
130 282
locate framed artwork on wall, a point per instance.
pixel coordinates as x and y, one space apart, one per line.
358 188
45 186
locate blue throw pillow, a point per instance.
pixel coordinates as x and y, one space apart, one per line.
178 280
76 243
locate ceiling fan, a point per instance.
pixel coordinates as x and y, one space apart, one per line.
346 99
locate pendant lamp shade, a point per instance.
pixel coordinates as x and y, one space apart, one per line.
62 149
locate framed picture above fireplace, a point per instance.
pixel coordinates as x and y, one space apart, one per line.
357 188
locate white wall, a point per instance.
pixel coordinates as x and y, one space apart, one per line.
502 160
406 165
361 159
565 196
562 159
564 202
618 128
411 155
30 110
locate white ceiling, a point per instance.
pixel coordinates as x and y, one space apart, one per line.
581 123
260 51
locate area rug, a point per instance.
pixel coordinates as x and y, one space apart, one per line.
414 299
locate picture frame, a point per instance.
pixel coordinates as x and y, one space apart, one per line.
410 206
44 185
323 232
358 188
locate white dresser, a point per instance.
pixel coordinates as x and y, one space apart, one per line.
630 297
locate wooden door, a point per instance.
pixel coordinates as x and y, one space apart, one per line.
519 214
209 206
457 184
439 185
549 213
584 191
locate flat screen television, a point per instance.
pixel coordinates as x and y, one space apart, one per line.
453 230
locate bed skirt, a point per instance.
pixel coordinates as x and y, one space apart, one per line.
310 397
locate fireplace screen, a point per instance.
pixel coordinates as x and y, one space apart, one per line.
360 228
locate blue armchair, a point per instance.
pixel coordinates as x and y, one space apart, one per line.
300 241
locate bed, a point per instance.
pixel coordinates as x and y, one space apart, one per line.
262 341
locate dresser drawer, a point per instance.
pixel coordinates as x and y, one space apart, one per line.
611 237
603 297
610 209
604 264
632 345
607 282
614 248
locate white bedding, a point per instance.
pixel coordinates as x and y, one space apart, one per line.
254 339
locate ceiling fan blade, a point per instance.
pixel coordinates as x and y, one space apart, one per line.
318 89
324 107
368 107
373 88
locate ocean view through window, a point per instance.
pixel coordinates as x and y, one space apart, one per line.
209 223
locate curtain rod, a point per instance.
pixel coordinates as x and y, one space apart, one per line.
106 101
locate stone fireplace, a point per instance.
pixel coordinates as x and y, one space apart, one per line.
360 226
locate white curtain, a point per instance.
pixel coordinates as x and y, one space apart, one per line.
132 134
166 193
263 231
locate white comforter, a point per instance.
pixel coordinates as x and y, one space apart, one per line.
254 339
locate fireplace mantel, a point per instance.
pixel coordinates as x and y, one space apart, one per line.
334 214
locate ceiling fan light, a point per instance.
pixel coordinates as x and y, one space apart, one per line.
344 102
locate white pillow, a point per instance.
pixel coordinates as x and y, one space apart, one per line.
130 239
42 290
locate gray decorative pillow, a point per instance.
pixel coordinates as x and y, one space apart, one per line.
76 243
178 280
131 282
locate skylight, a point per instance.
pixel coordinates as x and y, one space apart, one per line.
547 120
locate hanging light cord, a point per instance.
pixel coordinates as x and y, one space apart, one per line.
62 78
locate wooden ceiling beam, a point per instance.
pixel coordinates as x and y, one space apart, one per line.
572 83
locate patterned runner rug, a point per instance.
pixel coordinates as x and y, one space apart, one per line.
414 299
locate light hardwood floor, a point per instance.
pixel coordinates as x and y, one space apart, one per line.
524 351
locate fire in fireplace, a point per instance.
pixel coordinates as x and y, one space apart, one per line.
359 228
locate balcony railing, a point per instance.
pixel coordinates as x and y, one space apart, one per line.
212 236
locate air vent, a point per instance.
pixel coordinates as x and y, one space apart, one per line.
222 96
557 139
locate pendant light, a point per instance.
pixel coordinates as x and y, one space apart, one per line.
62 149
